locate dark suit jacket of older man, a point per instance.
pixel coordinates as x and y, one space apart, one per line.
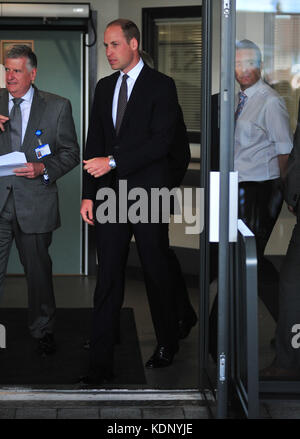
36 203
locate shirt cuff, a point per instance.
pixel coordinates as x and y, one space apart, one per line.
283 148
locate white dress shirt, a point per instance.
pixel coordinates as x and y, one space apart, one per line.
262 133
25 107
132 77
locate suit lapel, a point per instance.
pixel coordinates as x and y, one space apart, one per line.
37 109
5 136
109 98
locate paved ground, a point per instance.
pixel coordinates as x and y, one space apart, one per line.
124 413
280 410
273 411
133 411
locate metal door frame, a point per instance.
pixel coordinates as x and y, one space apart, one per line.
226 165
204 183
229 382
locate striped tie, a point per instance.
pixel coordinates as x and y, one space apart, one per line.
242 100
122 102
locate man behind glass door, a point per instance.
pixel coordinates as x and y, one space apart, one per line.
263 142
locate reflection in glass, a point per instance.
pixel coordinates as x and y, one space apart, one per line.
285 76
286 6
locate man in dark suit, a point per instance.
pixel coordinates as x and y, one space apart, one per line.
39 124
287 360
130 146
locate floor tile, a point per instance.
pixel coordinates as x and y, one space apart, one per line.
163 413
120 413
78 413
35 413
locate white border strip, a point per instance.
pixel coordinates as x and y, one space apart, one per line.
214 206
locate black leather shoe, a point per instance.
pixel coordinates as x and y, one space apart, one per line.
46 345
162 357
186 325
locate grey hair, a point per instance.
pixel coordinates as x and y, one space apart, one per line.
247 44
22 51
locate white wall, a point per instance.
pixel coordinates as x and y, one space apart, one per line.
107 10
251 25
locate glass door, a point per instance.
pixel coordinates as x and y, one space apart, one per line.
256 320
274 26
228 254
220 218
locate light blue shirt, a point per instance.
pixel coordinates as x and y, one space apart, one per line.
133 75
25 107
262 132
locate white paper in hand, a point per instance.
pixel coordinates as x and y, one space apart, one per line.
11 161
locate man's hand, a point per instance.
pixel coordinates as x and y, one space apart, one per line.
32 170
86 211
97 167
3 119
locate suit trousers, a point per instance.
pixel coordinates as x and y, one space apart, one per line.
288 326
113 241
185 309
34 256
260 204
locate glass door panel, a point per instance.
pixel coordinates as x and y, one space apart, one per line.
274 26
